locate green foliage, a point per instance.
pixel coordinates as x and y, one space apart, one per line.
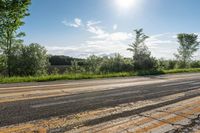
117 63
58 60
72 76
34 59
55 71
11 14
75 68
29 60
186 70
142 59
195 64
2 64
93 64
188 46
166 64
90 76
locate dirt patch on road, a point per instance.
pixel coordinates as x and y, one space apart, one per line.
80 120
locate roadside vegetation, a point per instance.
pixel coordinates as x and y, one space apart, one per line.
80 76
28 63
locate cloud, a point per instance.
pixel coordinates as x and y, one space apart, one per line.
100 33
115 26
92 27
76 24
163 45
120 36
78 21
100 42
89 48
103 42
160 45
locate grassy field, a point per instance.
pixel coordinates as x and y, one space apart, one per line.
91 76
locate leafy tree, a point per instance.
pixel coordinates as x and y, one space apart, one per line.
166 64
75 68
188 46
61 60
142 59
35 59
29 60
172 64
92 64
2 63
195 64
11 14
55 71
116 64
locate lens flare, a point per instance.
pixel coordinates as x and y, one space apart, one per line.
125 4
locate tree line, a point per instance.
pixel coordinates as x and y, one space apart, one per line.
17 59
141 61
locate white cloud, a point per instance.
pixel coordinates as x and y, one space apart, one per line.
163 45
120 36
99 33
77 21
92 27
115 26
91 22
76 24
102 42
90 48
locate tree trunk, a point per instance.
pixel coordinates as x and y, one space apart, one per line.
8 53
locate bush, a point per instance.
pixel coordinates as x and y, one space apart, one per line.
166 64
75 68
29 60
195 64
92 64
61 60
144 62
116 64
2 64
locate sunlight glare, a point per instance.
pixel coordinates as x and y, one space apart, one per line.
125 4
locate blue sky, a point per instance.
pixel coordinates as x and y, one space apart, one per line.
83 27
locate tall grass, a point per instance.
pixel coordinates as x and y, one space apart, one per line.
62 77
192 70
91 76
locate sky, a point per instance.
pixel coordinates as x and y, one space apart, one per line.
80 28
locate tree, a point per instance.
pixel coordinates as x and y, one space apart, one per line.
61 60
75 68
11 14
29 60
116 63
2 63
195 64
188 46
92 64
166 64
142 59
35 60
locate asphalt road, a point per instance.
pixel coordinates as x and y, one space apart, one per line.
35 101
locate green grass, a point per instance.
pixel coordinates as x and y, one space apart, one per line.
91 76
192 70
62 77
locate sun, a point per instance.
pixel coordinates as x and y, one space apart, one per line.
125 4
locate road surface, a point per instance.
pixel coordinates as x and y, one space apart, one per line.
168 103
